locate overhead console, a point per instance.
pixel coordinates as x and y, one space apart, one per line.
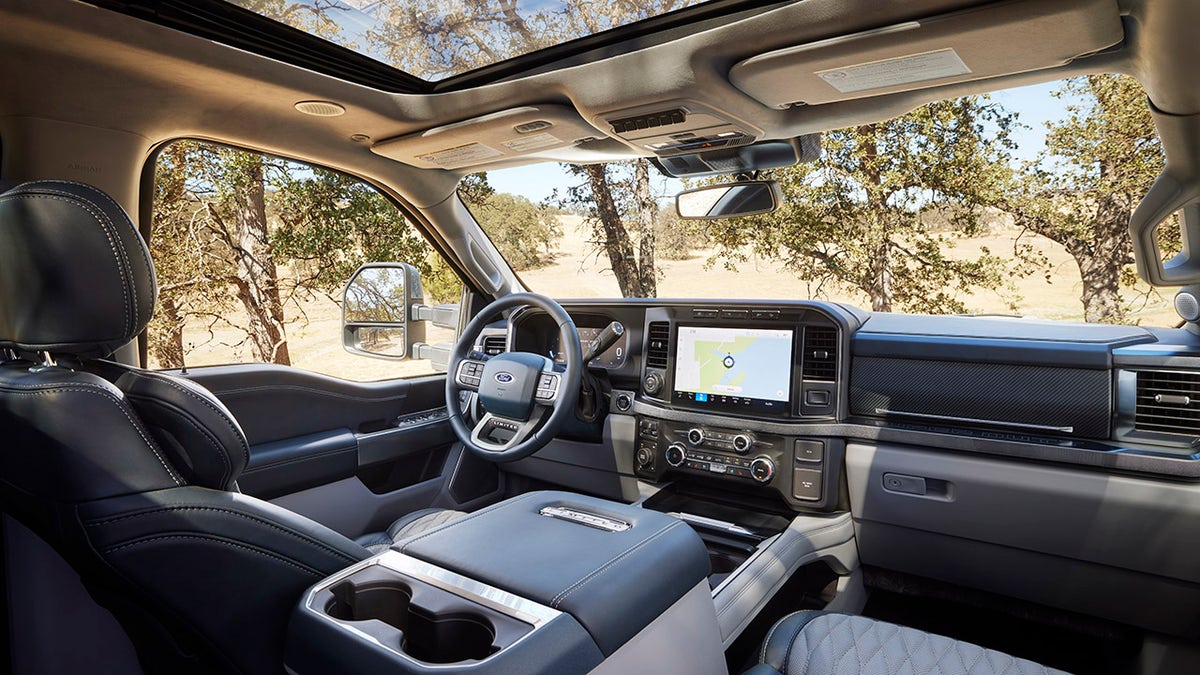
678 127
528 131
963 46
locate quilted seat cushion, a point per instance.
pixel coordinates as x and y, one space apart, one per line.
410 525
820 643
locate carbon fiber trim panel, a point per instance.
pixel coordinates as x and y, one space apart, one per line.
1014 394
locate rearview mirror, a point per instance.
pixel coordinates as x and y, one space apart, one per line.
375 311
729 200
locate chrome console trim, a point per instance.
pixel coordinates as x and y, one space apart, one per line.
522 609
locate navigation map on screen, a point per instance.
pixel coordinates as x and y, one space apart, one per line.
743 362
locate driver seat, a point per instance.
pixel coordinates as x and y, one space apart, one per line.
131 475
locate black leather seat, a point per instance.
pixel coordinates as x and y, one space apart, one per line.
130 474
822 643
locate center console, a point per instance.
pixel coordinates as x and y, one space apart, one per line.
547 582
729 396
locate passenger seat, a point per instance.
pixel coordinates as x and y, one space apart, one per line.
822 643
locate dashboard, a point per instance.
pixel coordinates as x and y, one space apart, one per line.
701 380
762 398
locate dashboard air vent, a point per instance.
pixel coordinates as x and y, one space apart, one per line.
1168 401
494 344
665 118
658 341
820 353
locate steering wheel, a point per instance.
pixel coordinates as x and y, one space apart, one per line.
525 398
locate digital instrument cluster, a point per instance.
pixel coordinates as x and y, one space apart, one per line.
613 357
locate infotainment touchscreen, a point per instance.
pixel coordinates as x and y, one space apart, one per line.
744 368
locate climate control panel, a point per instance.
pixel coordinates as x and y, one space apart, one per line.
794 466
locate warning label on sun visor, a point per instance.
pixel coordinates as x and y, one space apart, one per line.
461 155
529 143
892 72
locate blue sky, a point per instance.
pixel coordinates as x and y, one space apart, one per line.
1034 104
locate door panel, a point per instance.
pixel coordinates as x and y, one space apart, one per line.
351 455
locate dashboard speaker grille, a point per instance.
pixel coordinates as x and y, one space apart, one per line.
820 353
1168 401
494 344
658 341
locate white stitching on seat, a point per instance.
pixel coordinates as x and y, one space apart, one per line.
107 234
42 390
225 476
157 511
762 657
217 540
196 395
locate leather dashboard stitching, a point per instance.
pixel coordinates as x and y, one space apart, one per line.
216 540
42 390
156 511
558 599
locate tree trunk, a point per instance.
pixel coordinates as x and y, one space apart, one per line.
257 281
646 217
167 345
881 278
1101 295
616 238
879 286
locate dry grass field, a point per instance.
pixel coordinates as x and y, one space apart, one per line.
576 272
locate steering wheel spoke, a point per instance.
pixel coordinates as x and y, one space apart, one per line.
468 374
523 397
495 433
547 388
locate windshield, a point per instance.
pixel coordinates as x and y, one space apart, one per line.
437 40
1013 204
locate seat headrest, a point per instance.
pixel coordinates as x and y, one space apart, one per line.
75 275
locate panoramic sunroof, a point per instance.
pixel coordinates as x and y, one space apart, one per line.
438 39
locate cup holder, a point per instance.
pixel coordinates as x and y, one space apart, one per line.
445 635
388 603
449 639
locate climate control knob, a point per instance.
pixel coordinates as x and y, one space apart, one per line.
675 454
742 443
695 436
762 469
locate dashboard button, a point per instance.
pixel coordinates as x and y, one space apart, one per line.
806 484
817 398
653 383
810 451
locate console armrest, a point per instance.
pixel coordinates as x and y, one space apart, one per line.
613 567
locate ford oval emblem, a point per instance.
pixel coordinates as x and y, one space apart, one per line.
503 377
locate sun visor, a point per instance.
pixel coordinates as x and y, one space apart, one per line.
518 132
989 41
